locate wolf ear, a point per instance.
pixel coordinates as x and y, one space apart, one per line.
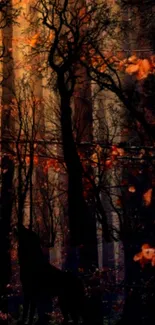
15 231
17 228
21 226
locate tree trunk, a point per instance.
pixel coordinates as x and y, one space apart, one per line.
81 223
5 220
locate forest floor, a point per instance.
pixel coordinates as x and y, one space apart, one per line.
112 302
112 309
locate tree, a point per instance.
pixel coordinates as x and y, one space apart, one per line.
69 24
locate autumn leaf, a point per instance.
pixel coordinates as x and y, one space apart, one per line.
27 160
122 64
132 59
152 61
108 163
132 68
147 197
34 40
133 65
153 260
114 151
137 257
147 255
84 15
98 149
144 69
121 152
119 202
132 189
51 36
35 159
98 63
140 67
94 158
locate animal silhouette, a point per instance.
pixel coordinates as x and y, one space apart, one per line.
41 282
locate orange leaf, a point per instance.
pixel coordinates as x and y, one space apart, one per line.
27 159
137 257
147 255
114 151
35 159
145 246
132 68
147 197
152 59
51 36
153 261
119 202
94 158
132 59
144 69
132 189
108 163
98 148
120 151
34 40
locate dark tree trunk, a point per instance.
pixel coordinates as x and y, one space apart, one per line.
81 223
7 160
5 220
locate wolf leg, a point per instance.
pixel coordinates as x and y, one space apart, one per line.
75 316
32 312
26 304
44 307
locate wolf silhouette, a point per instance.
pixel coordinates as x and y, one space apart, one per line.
42 281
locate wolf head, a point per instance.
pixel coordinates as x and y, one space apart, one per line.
28 242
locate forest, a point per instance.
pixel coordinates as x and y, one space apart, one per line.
77 160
